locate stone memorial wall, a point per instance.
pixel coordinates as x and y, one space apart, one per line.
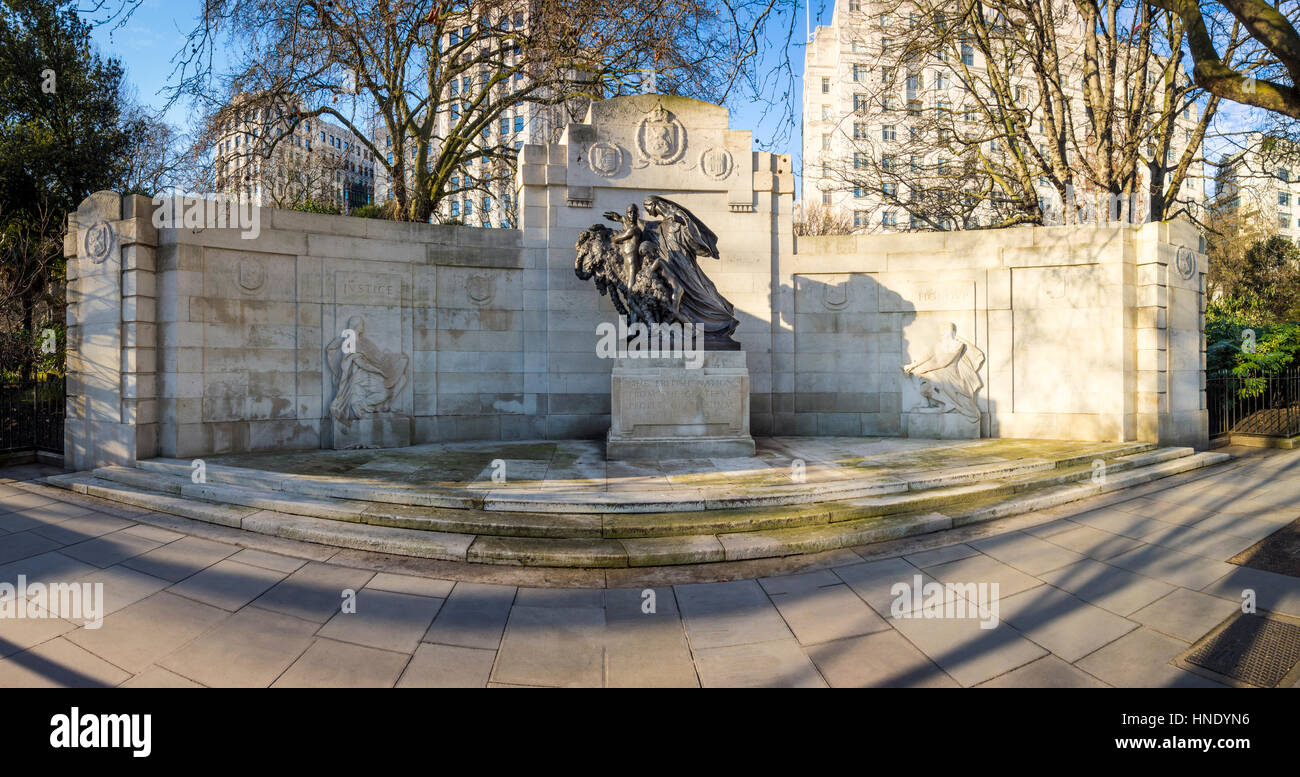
316 331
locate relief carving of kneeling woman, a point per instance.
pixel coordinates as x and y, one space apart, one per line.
366 379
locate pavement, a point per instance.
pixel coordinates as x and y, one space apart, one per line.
1108 593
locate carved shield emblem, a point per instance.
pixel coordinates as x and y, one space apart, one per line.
605 158
480 288
99 242
716 163
251 275
1185 263
835 296
661 137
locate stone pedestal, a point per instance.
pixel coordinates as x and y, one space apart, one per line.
675 408
922 425
382 430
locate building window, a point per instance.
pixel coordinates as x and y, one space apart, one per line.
860 73
859 218
826 142
519 124
885 45
886 75
859 160
826 113
826 85
855 5
886 162
826 198
967 54
859 131
859 190
889 219
1283 174
1284 198
940 80
1284 220
887 132
889 189
860 103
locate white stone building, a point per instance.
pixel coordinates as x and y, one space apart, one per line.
862 105
1263 180
320 160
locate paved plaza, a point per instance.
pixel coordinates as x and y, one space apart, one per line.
1105 592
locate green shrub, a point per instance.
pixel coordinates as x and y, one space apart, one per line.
371 212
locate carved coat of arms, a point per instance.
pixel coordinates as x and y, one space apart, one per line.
481 289
661 138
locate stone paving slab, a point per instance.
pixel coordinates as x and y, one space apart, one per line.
473 616
732 613
251 648
447 666
826 614
1093 543
227 584
59 663
1026 552
157 677
1064 624
881 660
775 664
315 592
109 549
985 569
1141 659
180 559
1184 614
967 652
1046 672
385 620
1118 590
141 634
646 649
330 664
555 646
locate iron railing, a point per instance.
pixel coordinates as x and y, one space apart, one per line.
31 416
1267 406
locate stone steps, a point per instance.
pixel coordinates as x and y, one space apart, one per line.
524 499
941 492
620 539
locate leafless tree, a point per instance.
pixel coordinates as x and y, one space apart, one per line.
992 114
816 219
1266 80
434 78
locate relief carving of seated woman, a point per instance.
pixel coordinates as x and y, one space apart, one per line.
367 378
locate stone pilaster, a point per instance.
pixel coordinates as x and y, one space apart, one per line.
111 354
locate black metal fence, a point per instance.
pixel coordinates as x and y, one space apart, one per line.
1267 406
31 416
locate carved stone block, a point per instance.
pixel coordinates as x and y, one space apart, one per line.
379 430
663 408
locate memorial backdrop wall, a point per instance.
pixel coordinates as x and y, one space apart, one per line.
188 341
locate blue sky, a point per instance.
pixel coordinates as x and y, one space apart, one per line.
149 40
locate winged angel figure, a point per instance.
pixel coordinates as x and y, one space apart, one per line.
649 270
